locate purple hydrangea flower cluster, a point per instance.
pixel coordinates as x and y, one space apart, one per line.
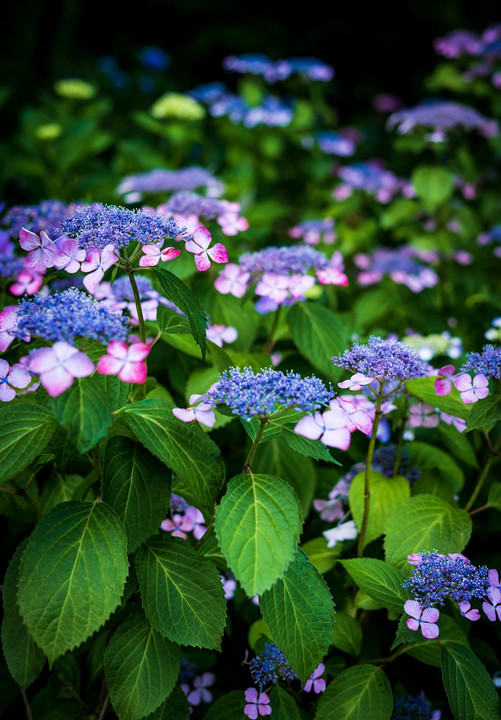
487 363
162 180
250 394
313 232
45 216
271 666
69 315
333 143
404 265
10 265
437 577
97 227
414 708
272 111
441 117
458 42
283 260
383 360
275 70
373 178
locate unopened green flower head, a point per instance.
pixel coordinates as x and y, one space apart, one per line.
177 106
75 89
48 131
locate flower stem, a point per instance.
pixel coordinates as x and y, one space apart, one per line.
137 300
493 453
254 446
368 464
270 340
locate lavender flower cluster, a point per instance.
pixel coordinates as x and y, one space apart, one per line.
45 216
313 232
383 360
275 70
487 363
486 48
441 117
271 666
162 180
404 265
220 102
374 179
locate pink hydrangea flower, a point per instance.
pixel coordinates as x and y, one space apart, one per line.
331 427
12 377
154 253
472 615
194 522
200 693
69 256
422 619
356 418
256 704
315 682
458 423
232 223
174 526
232 280
199 245
443 383
125 361
492 608
96 263
273 286
59 365
8 327
423 415
219 334
41 250
299 284
472 390
27 282
202 412
355 382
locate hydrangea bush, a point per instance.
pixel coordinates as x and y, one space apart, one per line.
250 419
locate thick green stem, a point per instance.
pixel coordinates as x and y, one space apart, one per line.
270 340
368 464
254 446
480 482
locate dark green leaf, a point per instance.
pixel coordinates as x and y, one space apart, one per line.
283 705
433 184
228 707
174 707
26 431
494 499
318 335
358 693
386 494
381 581
468 685
347 635
423 389
169 321
485 413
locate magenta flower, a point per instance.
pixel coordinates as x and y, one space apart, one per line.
273 286
15 377
330 427
422 619
194 522
472 391
231 223
232 280
69 255
356 419
493 576
57 366
200 693
199 245
41 250
174 525
256 704
443 383
415 559
472 615
27 282
8 327
154 253
203 412
332 276
493 608
125 361
315 682
96 263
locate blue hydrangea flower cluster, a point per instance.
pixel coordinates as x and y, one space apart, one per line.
69 315
283 260
439 577
442 116
414 708
222 103
161 180
96 227
383 359
276 70
271 666
488 362
45 216
249 395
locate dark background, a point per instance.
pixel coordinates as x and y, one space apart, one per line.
383 46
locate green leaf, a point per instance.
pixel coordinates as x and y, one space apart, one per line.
308 448
86 410
283 705
138 488
358 693
234 312
140 667
169 321
425 522
58 489
458 444
494 499
182 592
274 426
428 651
381 581
469 687
433 184
485 413
433 461
386 494
177 292
347 634
321 557
26 431
318 335
257 525
423 389
24 658
72 576
299 611
228 707
184 447
174 707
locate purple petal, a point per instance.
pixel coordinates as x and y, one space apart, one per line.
413 608
430 615
430 631
19 377
6 393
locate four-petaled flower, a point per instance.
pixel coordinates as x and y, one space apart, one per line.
154 253
331 427
199 245
57 366
200 693
41 250
12 377
232 280
464 608
69 255
125 361
26 282
256 704
355 382
493 608
423 619
203 412
315 682
472 390
96 263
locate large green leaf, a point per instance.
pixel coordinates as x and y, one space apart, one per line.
434 462
299 611
72 575
257 525
318 335
182 592
433 184
26 431
358 693
425 522
381 581
485 413
228 707
283 705
138 488
86 410
428 651
184 447
174 707
386 494
469 687
24 658
494 499
140 667
347 635
183 298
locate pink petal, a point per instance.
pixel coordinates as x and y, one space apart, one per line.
92 281
413 608
43 360
412 624
138 351
202 237
169 254
184 414
218 253
251 695
310 427
462 382
29 240
442 386
339 438
6 393
430 632
108 365
18 376
79 365
134 372
56 381
251 711
430 615
149 260
117 349
202 261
